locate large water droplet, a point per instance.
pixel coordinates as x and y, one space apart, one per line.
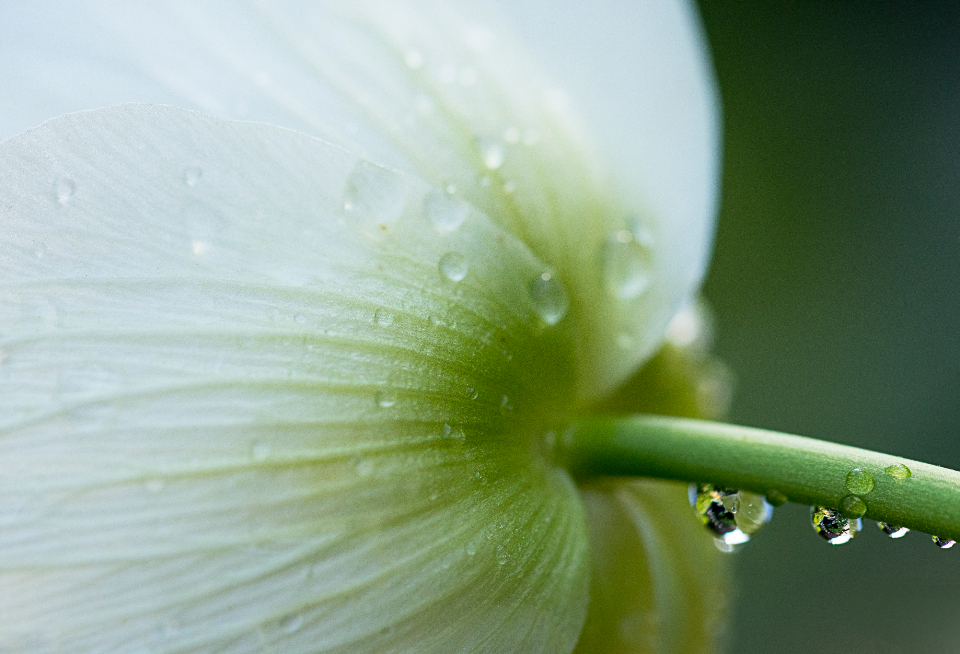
733 516
64 189
374 196
191 175
549 298
627 265
832 526
445 211
943 543
859 481
853 507
893 531
898 471
454 266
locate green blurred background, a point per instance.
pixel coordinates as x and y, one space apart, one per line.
836 288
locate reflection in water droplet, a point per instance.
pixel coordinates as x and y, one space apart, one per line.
291 623
853 507
383 317
385 400
454 266
832 526
898 471
493 155
944 543
859 481
549 298
64 188
445 211
733 516
191 175
260 451
627 265
776 498
373 195
893 531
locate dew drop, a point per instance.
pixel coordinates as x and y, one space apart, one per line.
373 195
291 623
472 393
383 317
454 266
385 400
471 548
853 507
898 471
191 175
776 498
493 155
832 526
549 298
260 451
893 531
943 543
627 265
859 481
445 211
64 189
733 516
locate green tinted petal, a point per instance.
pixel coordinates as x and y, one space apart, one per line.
658 582
243 408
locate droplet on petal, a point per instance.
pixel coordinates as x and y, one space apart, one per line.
445 211
550 299
627 265
191 175
454 266
64 189
374 196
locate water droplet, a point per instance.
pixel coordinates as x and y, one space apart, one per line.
260 451
374 196
291 623
300 318
445 211
549 298
733 516
493 155
893 531
627 265
472 393
471 548
383 317
944 543
859 481
191 175
898 471
385 400
413 60
832 526
64 189
454 266
776 498
853 507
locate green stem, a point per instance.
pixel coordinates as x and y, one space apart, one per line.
805 470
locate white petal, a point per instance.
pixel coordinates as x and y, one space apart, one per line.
243 409
617 202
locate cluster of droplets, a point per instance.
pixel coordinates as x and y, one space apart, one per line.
733 516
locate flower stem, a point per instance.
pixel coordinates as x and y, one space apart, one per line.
805 470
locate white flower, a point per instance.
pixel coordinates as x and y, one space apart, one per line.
264 392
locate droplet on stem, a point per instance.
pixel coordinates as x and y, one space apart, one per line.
893 531
832 526
859 481
733 516
898 471
943 543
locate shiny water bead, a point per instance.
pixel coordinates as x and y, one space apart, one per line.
898 471
549 298
853 507
627 265
733 516
453 266
444 210
893 531
859 481
944 543
832 526
374 196
776 498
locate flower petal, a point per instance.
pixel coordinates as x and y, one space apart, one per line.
619 205
244 404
